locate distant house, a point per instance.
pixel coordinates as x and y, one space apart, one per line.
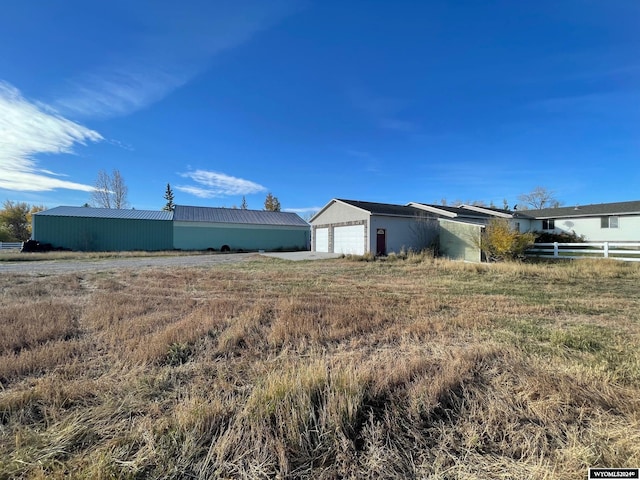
357 227
613 222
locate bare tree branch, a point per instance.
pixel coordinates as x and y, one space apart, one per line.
110 191
101 195
539 197
119 190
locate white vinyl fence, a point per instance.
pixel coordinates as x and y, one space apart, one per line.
626 251
10 245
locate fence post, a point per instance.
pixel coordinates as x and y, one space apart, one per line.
606 249
555 250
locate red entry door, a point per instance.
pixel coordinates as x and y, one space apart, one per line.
381 241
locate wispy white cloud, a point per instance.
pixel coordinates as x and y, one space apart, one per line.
215 184
179 44
385 112
118 90
359 154
606 104
370 162
303 210
28 129
398 125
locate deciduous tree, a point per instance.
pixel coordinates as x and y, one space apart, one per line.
15 221
110 191
539 197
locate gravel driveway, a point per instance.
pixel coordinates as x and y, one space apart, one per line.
49 267
53 267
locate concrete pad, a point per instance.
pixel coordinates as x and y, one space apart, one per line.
297 256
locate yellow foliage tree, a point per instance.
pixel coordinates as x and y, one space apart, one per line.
500 241
15 220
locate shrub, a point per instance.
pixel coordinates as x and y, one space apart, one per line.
563 237
500 241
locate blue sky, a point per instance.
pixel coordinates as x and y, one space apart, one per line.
369 100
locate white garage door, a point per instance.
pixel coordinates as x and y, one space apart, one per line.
322 239
349 240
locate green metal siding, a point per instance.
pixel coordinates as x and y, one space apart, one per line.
201 236
103 234
460 241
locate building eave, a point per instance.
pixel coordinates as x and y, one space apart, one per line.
486 211
435 210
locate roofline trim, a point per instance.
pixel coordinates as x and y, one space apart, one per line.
487 211
431 209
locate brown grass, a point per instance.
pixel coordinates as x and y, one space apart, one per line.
414 368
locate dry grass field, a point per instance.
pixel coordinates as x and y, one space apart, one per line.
415 368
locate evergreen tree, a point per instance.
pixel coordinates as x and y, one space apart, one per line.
271 203
168 196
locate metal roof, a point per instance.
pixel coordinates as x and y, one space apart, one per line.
597 209
236 215
384 208
89 212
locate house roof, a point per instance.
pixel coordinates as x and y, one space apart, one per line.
491 211
596 209
183 213
455 212
383 208
411 209
89 212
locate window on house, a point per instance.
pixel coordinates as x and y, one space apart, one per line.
548 224
608 222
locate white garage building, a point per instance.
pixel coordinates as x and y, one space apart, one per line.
356 227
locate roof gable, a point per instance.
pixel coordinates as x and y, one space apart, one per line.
373 208
383 208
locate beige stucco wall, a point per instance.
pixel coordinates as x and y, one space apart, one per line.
460 241
404 233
